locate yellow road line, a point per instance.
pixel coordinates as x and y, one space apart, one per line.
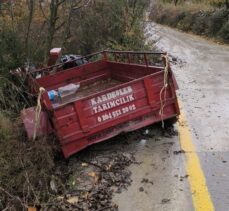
200 196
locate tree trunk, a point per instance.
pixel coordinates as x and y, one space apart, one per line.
175 2
30 18
227 4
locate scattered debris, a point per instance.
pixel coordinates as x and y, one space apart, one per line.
174 59
141 189
170 132
164 201
145 180
84 164
146 132
73 200
177 61
184 177
178 152
32 209
53 186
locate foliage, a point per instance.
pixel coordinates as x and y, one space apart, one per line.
30 28
11 53
219 3
224 32
217 20
209 22
216 3
108 24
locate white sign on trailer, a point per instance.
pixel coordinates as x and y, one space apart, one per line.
111 100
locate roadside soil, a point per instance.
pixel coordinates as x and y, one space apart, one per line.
86 181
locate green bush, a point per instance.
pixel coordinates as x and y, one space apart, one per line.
200 23
187 22
224 32
109 24
211 23
180 16
11 53
217 20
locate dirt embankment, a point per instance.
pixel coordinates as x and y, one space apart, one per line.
209 22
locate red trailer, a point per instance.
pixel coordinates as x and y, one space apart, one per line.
119 92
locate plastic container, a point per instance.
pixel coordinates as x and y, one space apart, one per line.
68 91
53 95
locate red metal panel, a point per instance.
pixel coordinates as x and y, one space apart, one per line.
144 120
84 80
122 78
68 75
81 115
134 100
149 91
28 118
133 68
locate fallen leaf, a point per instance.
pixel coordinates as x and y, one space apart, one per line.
108 168
53 186
60 197
84 164
86 195
92 174
73 200
32 209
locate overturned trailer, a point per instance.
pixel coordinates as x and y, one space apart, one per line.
117 92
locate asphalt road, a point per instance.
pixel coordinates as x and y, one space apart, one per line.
202 72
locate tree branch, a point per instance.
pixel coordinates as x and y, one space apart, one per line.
41 8
84 5
60 26
14 197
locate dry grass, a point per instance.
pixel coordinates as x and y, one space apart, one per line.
6 127
188 6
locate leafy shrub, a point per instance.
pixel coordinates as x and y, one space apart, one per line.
224 32
217 20
187 22
180 16
11 53
109 24
208 22
201 23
